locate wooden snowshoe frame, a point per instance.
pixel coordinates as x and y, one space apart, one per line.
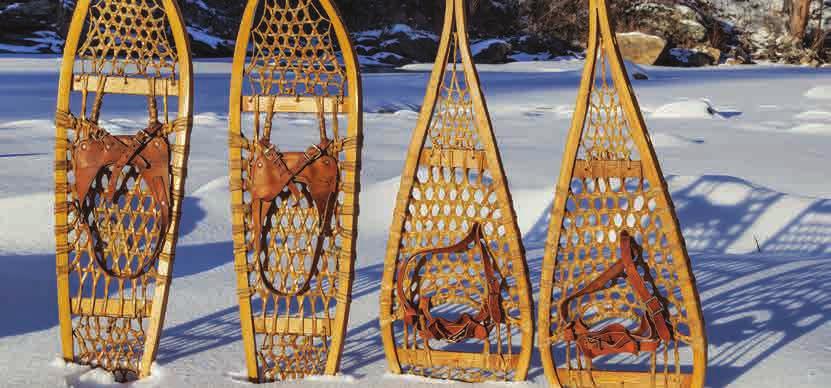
112 317
286 62
610 181
448 185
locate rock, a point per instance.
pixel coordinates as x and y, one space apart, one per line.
714 53
636 72
366 50
491 51
737 56
682 57
810 61
215 20
528 44
642 48
365 39
534 45
733 62
488 18
391 59
420 46
28 16
678 24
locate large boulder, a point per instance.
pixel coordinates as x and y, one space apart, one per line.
22 17
420 46
682 57
533 44
678 24
388 59
640 48
487 18
491 51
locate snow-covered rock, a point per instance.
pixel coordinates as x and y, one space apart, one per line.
683 57
491 51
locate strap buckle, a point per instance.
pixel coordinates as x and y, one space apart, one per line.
314 157
660 309
143 136
271 152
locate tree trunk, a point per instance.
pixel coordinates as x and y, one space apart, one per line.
800 11
786 6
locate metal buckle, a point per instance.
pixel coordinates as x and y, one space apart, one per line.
143 136
271 152
312 158
653 313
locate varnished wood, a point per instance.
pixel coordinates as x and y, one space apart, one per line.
127 85
347 103
455 158
612 162
473 148
112 307
625 379
607 168
81 71
239 209
293 325
296 104
458 359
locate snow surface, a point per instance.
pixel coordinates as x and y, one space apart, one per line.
199 34
819 93
751 189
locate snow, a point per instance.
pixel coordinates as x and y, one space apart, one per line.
692 109
200 4
394 29
635 34
682 54
204 36
15 48
818 115
43 41
10 7
819 93
482 45
749 182
411 32
526 57
814 128
378 59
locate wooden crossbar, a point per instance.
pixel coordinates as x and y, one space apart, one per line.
607 169
619 379
296 104
454 158
283 325
456 359
111 307
126 85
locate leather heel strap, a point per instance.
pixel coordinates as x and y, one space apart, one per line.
465 326
653 328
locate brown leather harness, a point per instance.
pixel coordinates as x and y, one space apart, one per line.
272 171
95 150
615 338
466 326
